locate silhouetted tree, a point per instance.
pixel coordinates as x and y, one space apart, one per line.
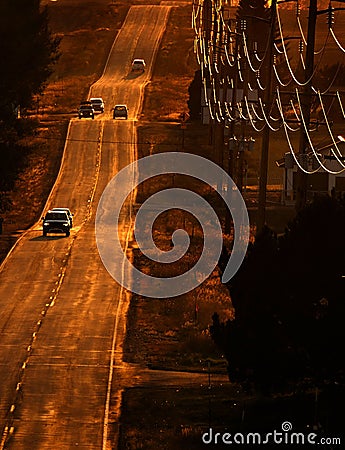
28 52
289 303
194 102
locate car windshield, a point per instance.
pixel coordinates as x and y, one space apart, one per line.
67 211
55 216
96 100
120 108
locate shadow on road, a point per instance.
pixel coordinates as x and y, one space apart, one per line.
133 75
48 238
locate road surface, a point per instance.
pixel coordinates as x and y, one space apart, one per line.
61 314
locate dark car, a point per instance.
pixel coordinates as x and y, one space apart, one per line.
56 222
120 111
138 65
86 110
97 104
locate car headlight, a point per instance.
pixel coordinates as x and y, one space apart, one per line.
65 224
45 224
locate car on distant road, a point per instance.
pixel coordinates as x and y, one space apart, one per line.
138 65
56 222
86 110
97 104
69 214
120 111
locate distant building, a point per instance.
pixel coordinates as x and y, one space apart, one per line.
320 182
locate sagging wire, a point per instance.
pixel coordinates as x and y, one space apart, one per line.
260 86
240 111
340 104
285 52
330 131
277 49
336 40
210 110
302 60
224 22
227 57
230 81
246 53
222 60
322 49
259 130
213 91
209 66
278 77
311 146
240 76
233 108
228 111
261 60
215 6
265 116
232 60
196 50
292 151
298 119
201 46
217 116
195 15
298 12
333 80
220 111
256 114
204 83
250 87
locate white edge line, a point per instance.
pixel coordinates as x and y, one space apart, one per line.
2 265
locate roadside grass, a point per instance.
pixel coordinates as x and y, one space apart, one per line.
166 95
177 417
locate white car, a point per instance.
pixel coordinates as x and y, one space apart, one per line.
97 104
68 212
138 65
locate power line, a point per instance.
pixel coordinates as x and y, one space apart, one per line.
93 141
224 56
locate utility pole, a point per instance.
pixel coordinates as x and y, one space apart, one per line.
261 220
306 98
242 146
232 150
218 125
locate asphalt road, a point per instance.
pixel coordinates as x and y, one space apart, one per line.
61 314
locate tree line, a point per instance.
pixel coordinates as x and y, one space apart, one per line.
29 52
